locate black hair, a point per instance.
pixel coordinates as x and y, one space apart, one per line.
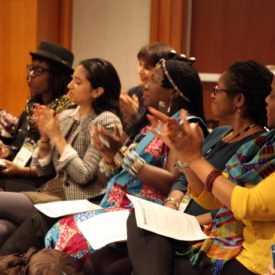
102 73
253 80
58 79
153 52
187 79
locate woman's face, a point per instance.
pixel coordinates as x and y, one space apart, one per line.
221 103
154 92
270 108
37 78
80 89
144 71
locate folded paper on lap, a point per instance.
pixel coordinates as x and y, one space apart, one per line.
105 228
166 221
110 227
62 208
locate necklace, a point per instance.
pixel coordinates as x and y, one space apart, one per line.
58 105
220 144
243 131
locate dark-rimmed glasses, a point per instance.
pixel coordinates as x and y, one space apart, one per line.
216 89
36 69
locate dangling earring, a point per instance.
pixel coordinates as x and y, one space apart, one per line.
170 104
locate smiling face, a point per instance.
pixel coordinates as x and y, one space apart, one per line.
38 82
154 92
80 89
144 71
270 101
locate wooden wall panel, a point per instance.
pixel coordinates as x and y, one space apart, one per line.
54 20
65 23
23 23
168 22
17 39
226 31
48 20
222 32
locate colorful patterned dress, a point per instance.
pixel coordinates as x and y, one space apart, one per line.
65 235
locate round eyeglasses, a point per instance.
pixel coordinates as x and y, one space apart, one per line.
36 69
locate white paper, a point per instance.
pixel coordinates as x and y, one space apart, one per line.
105 228
23 156
166 221
63 208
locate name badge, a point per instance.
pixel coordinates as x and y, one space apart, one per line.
25 153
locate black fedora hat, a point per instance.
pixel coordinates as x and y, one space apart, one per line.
55 53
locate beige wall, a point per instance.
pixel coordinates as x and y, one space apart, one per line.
111 29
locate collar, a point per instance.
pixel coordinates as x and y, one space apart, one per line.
75 115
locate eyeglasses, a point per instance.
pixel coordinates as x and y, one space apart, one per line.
216 90
162 63
36 69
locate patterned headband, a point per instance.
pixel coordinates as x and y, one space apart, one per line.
162 63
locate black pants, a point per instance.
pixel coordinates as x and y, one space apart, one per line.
109 260
31 232
19 184
152 254
182 266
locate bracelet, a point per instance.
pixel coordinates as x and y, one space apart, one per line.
30 172
132 162
211 178
129 159
43 145
136 166
173 201
118 159
44 141
181 166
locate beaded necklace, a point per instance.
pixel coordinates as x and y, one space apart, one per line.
211 149
58 105
243 131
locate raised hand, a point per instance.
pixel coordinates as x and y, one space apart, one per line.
12 168
270 270
164 127
129 105
4 150
47 122
183 138
156 118
108 144
37 117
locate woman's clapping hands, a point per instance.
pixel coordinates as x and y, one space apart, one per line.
181 136
46 121
105 142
